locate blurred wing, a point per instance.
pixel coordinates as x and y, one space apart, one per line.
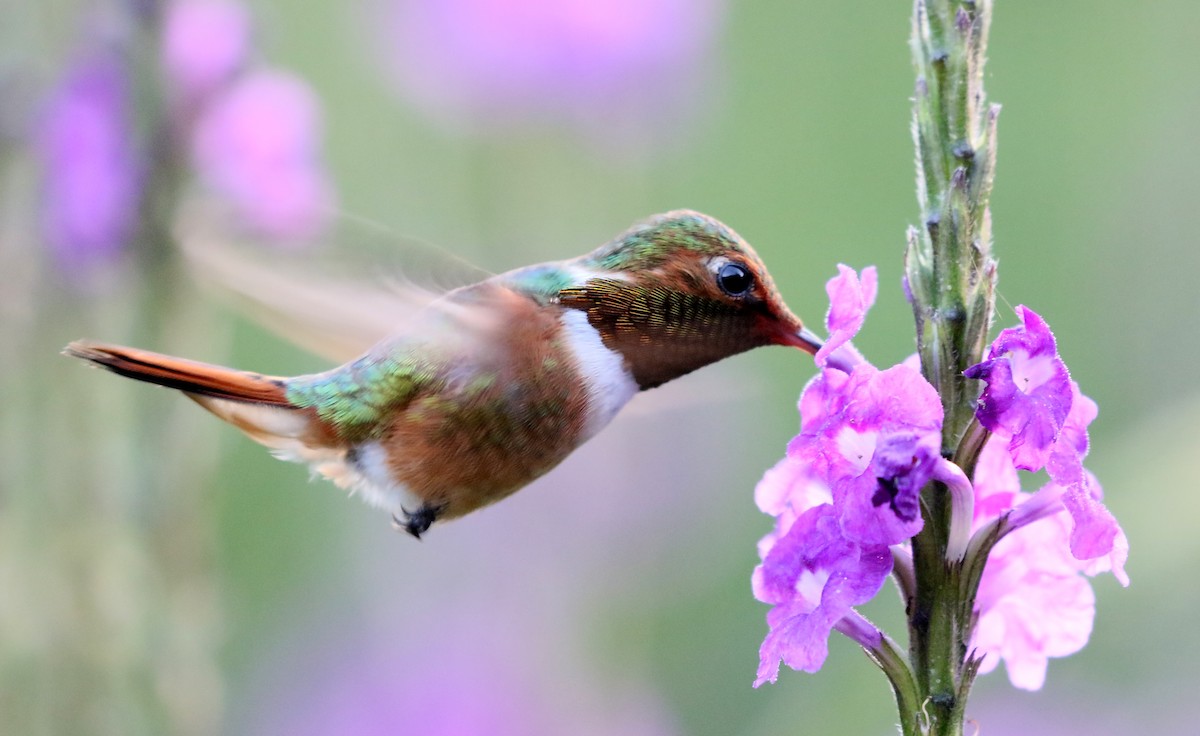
333 298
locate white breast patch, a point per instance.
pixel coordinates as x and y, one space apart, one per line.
609 384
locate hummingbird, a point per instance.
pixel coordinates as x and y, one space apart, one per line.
490 385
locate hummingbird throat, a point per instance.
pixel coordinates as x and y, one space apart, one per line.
661 332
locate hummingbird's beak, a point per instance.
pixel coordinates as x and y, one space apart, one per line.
805 339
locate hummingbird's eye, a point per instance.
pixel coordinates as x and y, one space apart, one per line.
734 279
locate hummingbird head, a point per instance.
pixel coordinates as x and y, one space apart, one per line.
682 290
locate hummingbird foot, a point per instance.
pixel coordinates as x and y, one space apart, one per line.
416 522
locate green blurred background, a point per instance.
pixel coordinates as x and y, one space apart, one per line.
613 595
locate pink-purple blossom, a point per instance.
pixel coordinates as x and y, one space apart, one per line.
1031 404
204 44
91 176
873 437
257 144
1034 602
813 575
1028 391
848 488
613 64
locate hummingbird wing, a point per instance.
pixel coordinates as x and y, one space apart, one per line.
335 298
450 340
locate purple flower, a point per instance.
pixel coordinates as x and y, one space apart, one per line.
848 488
849 301
786 491
204 44
257 144
1028 391
847 498
996 483
812 575
1031 402
494 61
1033 602
91 177
874 439
450 677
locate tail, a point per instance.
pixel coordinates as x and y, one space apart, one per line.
253 403
189 376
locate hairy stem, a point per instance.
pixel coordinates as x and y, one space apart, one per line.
951 278
948 265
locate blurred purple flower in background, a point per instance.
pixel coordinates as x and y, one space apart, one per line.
91 176
204 44
597 61
258 145
254 136
451 677
255 133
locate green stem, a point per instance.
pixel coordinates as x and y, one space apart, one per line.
948 264
969 447
888 657
951 277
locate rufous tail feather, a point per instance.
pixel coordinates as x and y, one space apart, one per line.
253 403
190 376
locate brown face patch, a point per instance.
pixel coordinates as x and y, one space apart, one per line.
663 333
676 317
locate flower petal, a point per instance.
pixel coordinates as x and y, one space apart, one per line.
1028 393
849 299
813 575
1033 603
1065 464
789 485
996 482
1095 529
882 506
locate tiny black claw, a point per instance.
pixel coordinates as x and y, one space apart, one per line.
417 522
